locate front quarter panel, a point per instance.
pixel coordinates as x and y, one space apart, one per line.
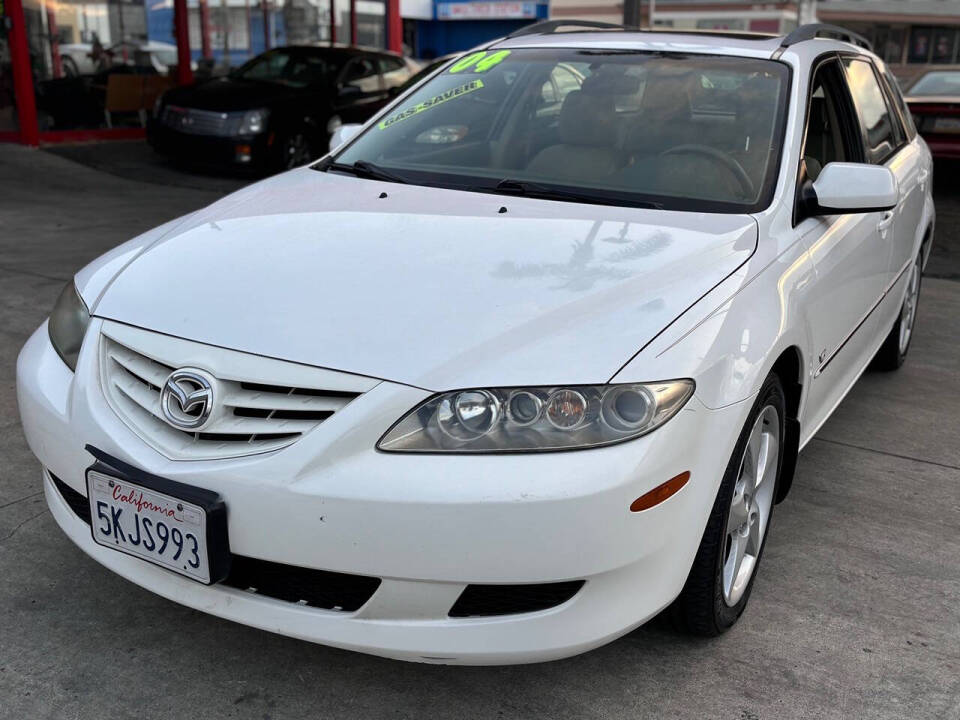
730 339
96 276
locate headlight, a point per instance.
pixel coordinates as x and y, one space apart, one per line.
68 324
254 122
536 418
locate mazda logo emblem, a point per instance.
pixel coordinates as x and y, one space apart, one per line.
186 399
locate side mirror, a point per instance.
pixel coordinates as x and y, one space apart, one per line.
851 188
349 92
342 134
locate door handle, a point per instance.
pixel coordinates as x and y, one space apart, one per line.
922 179
884 225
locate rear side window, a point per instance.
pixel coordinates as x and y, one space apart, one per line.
897 95
879 131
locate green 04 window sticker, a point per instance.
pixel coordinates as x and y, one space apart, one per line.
450 94
479 61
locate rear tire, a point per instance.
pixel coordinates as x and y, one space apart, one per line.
723 572
893 352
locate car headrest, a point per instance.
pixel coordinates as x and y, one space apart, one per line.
611 83
587 119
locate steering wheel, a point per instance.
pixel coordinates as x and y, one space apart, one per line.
728 161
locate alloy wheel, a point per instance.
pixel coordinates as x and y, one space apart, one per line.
908 313
296 151
751 504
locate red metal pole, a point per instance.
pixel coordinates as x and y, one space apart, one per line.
333 21
22 75
54 43
181 30
353 22
394 26
205 30
265 5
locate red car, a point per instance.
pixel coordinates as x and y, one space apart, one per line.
934 101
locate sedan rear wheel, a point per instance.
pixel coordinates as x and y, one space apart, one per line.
724 570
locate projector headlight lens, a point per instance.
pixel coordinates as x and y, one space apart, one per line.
536 418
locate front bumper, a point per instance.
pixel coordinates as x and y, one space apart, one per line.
424 525
209 149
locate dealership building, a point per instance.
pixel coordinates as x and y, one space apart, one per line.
908 34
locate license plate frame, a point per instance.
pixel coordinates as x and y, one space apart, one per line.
947 125
202 510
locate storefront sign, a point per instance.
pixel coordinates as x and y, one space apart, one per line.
486 10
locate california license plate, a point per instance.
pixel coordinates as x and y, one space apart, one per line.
154 526
947 124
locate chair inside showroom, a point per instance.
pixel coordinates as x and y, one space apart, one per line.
124 95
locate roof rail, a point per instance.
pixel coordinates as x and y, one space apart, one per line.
815 30
549 26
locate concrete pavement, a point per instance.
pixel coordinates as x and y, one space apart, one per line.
856 613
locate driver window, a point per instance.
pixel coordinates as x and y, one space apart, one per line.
825 140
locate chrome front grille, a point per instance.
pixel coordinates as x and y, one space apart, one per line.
249 415
198 122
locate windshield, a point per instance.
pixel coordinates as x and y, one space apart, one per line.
937 83
687 132
286 67
166 57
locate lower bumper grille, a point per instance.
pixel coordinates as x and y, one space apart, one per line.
77 502
315 588
304 586
490 600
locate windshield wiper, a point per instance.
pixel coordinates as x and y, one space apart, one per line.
364 169
543 192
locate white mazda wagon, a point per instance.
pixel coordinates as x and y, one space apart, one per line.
523 362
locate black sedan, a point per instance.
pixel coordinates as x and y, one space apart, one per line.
934 102
279 109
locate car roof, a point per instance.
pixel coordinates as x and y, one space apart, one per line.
341 48
753 45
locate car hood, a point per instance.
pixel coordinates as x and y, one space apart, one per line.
431 287
224 94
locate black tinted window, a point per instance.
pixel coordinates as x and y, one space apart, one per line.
395 71
895 92
286 68
362 72
875 116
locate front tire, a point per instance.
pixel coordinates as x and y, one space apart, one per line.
293 151
723 572
893 353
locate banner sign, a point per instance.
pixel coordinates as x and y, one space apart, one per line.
486 10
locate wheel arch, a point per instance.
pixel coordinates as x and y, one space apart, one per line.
788 367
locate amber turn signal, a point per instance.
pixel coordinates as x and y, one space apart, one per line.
660 492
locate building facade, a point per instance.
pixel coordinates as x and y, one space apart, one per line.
909 34
438 27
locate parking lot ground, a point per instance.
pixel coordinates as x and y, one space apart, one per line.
855 614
